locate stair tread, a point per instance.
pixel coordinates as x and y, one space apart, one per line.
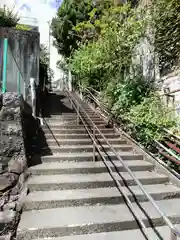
82 128
83 154
157 233
83 140
84 134
76 178
88 164
88 146
93 215
76 130
58 195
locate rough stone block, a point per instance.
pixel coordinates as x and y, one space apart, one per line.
4 182
21 199
9 148
9 206
17 164
4 162
12 100
10 128
8 180
16 190
9 114
7 216
6 237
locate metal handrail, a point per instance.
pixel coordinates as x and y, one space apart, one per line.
169 151
172 134
175 232
177 139
96 145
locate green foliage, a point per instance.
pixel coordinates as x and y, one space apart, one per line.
167 39
7 17
62 64
68 16
149 118
103 61
120 30
23 27
128 93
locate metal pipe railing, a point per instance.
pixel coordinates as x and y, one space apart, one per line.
172 134
96 146
175 232
169 151
176 138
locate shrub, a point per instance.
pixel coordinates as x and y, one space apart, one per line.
7 17
149 118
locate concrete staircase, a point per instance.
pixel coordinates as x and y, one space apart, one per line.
73 198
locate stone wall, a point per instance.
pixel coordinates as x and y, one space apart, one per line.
14 156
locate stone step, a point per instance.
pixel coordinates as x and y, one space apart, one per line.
85 141
76 131
74 121
87 167
84 148
80 136
87 197
81 157
71 118
71 126
155 233
91 113
69 221
81 181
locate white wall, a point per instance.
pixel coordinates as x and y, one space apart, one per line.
39 13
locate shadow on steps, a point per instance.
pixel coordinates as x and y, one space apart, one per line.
55 104
52 104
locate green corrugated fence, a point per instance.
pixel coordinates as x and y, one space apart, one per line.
12 77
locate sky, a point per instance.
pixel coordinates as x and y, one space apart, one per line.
36 12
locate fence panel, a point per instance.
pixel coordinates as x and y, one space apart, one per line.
12 78
12 73
1 61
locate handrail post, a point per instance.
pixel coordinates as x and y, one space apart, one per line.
71 104
173 235
94 148
78 114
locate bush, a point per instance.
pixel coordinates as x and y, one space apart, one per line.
149 118
130 92
7 17
23 27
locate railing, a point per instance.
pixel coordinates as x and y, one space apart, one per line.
169 152
175 233
12 78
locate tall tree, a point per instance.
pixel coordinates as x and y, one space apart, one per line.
68 16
